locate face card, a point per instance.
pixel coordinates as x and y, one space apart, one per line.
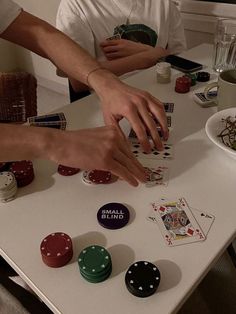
157 176
166 154
116 36
169 107
177 223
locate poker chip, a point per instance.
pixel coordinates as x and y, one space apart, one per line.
95 263
142 279
56 249
67 171
8 186
113 216
182 84
193 78
95 177
23 171
203 76
99 176
3 166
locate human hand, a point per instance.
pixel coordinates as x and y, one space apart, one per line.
119 48
138 107
101 148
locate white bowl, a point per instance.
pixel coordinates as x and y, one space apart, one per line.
214 126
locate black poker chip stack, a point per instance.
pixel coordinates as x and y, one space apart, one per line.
142 279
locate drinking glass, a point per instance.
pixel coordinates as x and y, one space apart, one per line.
224 57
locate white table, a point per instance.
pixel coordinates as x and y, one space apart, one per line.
200 172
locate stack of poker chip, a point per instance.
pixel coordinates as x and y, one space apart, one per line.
183 84
142 279
95 263
8 186
3 166
95 177
163 72
23 171
56 249
203 76
193 78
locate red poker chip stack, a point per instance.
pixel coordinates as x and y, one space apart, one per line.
182 84
67 171
23 171
56 249
3 166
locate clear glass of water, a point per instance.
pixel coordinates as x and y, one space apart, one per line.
224 57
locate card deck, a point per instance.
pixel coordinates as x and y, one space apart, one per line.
169 107
167 153
176 222
156 176
55 120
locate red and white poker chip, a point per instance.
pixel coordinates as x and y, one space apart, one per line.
23 171
99 176
56 249
67 171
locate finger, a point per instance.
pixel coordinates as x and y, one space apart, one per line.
113 55
157 109
140 130
130 167
151 126
112 42
110 49
123 173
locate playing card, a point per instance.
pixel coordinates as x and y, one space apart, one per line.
204 219
169 107
177 223
132 134
156 176
116 36
167 153
55 120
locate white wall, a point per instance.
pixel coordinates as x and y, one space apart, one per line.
8 61
43 69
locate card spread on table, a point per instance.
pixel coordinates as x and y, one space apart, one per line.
132 134
54 120
176 222
166 153
157 176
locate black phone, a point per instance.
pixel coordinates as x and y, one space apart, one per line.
182 64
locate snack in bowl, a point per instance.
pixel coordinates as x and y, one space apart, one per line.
221 130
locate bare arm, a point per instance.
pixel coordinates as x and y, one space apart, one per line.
122 65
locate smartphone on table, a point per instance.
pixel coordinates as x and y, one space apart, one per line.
182 64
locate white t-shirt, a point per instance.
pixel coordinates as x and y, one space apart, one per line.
89 22
8 12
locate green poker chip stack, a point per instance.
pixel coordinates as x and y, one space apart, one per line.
193 78
95 263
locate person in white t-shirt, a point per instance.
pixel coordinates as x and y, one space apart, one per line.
105 146
149 30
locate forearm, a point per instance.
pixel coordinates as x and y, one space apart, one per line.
138 61
43 39
23 142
